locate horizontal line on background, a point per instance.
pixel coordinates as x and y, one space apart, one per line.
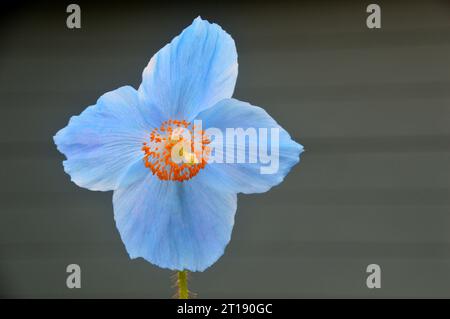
353 196
314 145
250 249
354 91
388 144
346 40
293 40
357 196
300 92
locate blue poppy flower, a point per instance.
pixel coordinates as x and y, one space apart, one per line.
175 214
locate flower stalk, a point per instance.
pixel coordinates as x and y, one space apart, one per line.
182 284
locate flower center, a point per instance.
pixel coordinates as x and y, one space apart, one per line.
176 151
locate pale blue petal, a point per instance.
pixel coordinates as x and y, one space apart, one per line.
104 140
191 73
174 225
246 177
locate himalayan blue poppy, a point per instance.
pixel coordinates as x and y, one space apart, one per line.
175 214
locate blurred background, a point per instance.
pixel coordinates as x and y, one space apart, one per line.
371 108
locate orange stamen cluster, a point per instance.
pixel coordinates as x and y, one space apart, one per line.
176 151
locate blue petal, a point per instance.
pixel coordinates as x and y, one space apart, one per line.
191 73
246 177
104 140
174 225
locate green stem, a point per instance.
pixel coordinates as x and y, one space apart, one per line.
182 283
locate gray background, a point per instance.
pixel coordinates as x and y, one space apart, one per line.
370 106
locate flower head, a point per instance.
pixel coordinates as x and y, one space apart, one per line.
165 151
